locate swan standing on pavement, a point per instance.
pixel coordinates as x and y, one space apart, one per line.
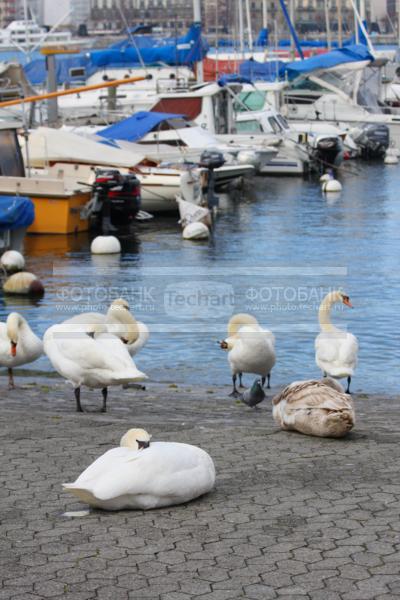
251 349
144 475
94 358
18 344
313 407
335 350
120 322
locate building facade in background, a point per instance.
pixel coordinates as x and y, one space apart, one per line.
220 17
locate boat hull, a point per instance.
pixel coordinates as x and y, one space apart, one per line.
59 215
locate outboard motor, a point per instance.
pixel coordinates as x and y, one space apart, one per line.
115 201
372 139
329 152
210 160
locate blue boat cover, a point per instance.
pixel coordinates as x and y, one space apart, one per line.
232 78
16 212
348 54
185 50
267 71
275 70
135 127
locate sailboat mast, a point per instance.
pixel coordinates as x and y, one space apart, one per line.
241 26
340 23
327 24
249 30
197 19
265 14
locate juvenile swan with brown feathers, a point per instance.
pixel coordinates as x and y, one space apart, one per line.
312 407
251 349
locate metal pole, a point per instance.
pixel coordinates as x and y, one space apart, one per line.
241 26
52 107
265 14
249 31
327 24
291 9
197 19
340 23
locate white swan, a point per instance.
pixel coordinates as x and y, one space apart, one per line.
18 344
335 350
120 322
251 349
96 359
142 475
313 407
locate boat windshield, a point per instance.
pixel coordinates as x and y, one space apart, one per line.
250 126
254 100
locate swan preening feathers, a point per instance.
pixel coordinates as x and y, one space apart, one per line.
251 349
335 350
142 475
319 408
94 358
18 344
118 321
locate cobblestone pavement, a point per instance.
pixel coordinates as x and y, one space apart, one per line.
290 517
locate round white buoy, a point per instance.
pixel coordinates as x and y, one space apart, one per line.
333 185
12 261
391 159
325 177
196 231
393 150
105 244
23 284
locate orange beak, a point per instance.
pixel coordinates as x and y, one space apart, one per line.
347 303
13 349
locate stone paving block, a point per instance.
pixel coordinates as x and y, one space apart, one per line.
269 530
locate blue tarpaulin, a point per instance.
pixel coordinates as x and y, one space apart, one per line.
275 70
354 53
267 71
232 78
185 50
135 127
16 212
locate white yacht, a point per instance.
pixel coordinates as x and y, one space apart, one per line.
25 35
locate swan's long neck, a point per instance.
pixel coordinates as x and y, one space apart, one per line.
125 322
14 324
324 313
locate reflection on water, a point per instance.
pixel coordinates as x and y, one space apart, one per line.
274 253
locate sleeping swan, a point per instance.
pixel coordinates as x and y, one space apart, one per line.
144 475
93 358
313 407
119 321
335 350
18 344
251 349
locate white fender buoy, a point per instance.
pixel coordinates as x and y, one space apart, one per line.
12 261
394 151
105 244
196 231
391 159
332 185
23 283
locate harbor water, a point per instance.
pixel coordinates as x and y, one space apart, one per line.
277 249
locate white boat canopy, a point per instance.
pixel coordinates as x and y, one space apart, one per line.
46 145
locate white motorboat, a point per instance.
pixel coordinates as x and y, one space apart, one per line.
25 35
